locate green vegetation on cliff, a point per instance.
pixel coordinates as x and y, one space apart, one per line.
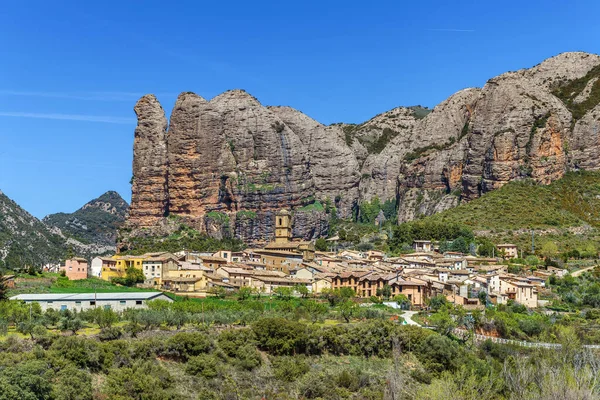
572 201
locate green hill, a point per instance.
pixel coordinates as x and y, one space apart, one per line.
25 240
573 201
96 222
565 213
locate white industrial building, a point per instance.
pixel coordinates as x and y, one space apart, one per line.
117 301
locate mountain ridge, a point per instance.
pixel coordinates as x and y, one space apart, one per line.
231 154
97 221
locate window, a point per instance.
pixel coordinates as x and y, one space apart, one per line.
92 303
63 307
138 302
107 307
49 302
122 302
77 303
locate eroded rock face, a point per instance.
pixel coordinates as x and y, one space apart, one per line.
228 164
232 163
333 165
149 192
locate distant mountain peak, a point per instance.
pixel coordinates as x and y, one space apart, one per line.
96 222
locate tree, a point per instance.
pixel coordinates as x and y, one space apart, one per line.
244 293
549 249
283 292
70 323
104 317
217 291
321 244
348 309
315 310
486 248
302 290
132 277
386 291
3 288
482 295
437 302
402 301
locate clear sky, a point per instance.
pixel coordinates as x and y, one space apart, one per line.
71 71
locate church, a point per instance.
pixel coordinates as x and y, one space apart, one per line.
284 253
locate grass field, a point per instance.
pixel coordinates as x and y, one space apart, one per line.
54 283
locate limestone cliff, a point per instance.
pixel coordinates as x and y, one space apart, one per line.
226 165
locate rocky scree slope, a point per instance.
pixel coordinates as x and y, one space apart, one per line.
224 166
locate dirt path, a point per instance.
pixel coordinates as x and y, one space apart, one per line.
408 317
581 271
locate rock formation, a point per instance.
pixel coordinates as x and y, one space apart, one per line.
149 182
226 165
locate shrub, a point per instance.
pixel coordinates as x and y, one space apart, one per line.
110 334
289 369
188 344
203 365
280 336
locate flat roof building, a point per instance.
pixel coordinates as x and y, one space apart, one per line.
117 301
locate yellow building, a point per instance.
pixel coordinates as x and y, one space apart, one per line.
118 268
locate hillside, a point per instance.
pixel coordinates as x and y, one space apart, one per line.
25 240
570 202
563 216
226 165
96 222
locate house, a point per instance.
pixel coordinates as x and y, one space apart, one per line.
348 279
280 260
321 282
75 268
189 283
415 290
375 255
509 250
422 245
117 268
521 292
230 256
118 301
96 267
268 284
458 275
156 265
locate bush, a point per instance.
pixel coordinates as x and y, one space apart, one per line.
187 344
280 336
203 365
110 334
289 369
84 353
438 353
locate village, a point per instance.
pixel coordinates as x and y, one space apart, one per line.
298 267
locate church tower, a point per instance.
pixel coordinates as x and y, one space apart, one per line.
283 226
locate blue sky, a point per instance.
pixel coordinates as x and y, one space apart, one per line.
71 71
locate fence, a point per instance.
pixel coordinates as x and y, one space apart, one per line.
522 343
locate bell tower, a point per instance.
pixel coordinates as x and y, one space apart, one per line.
283 226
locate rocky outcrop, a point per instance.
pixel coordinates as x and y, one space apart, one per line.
149 194
226 165
334 166
232 163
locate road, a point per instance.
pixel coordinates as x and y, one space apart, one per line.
581 271
408 317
